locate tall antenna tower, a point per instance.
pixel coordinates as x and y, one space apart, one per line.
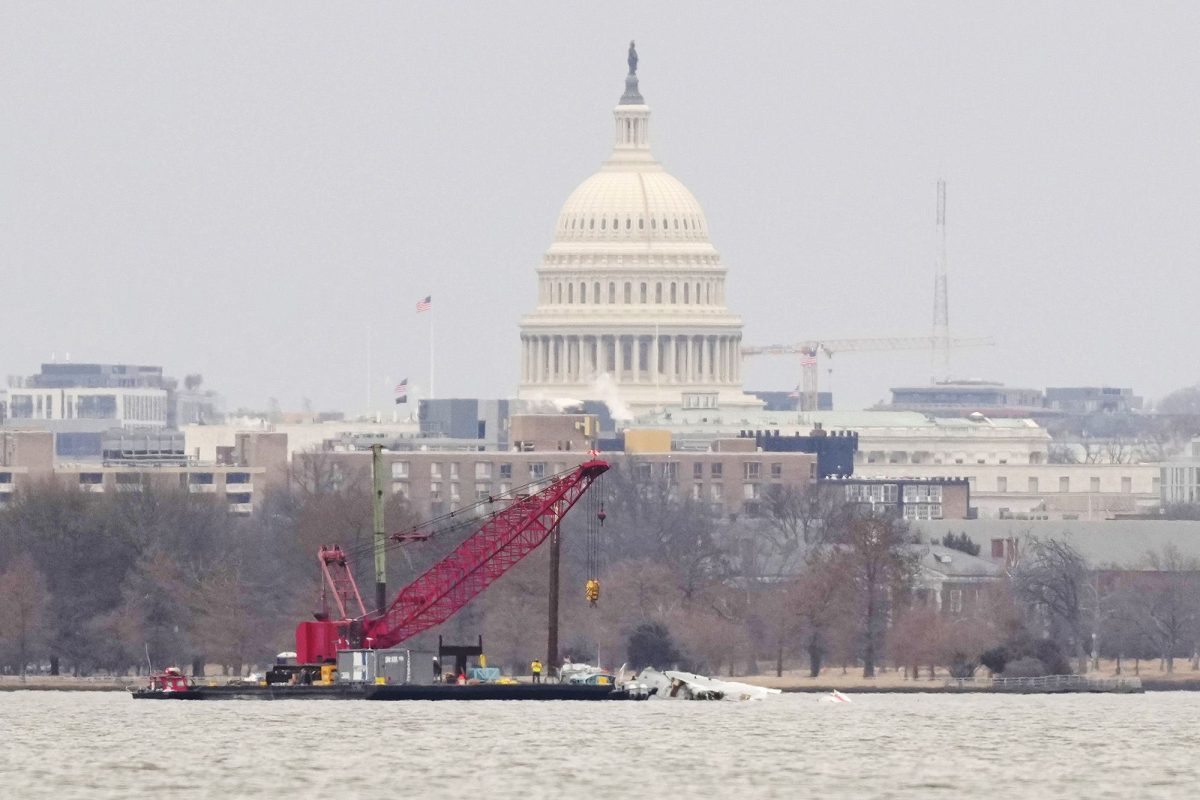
941 309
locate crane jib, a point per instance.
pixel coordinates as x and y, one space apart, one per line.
494 548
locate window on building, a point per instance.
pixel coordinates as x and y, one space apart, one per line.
90 478
400 488
1095 485
1001 484
200 478
698 469
483 470
642 294
715 492
628 293
506 472
237 477
641 471
673 294
1064 483
612 293
697 491
956 601
399 470
570 293
596 292
776 471
483 491
752 470
1126 485
454 471
658 293
750 491
687 293
537 470
1033 485
454 495
717 469
435 470
239 498
997 548
671 470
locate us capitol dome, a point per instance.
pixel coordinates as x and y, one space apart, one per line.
631 294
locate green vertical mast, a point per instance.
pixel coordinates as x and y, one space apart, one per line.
380 535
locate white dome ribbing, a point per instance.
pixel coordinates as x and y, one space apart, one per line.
631 298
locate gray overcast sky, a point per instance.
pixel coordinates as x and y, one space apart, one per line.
245 189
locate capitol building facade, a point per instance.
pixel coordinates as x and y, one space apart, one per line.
631 294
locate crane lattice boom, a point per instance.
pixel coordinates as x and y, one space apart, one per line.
446 587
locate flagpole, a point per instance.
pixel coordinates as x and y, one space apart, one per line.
431 392
368 369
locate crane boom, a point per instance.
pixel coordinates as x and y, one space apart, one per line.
446 587
809 349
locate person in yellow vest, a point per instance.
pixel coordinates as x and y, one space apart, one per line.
535 669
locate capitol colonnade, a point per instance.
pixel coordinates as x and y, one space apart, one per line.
685 359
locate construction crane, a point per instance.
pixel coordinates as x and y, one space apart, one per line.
808 351
506 537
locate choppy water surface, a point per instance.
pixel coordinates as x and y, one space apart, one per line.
105 745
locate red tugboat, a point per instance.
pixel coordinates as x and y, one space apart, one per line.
350 652
170 684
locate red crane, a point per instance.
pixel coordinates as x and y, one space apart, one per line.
504 539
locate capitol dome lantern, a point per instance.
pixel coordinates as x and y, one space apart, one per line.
631 293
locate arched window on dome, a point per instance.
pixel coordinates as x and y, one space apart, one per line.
571 293
572 224
697 293
628 132
603 222
559 294
653 223
635 131
612 294
596 292
641 224
583 293
616 223
676 223
687 294
708 293
628 223
658 293
673 298
592 223
685 225
628 293
664 223
642 294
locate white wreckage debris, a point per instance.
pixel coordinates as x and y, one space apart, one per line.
689 686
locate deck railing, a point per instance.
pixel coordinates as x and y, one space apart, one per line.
1048 683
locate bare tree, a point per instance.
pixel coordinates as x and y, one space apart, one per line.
1055 579
23 599
881 566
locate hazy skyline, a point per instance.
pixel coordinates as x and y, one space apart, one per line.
252 192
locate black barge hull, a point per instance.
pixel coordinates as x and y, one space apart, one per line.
482 691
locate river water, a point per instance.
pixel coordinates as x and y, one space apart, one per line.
106 745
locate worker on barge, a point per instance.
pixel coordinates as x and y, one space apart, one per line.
535 669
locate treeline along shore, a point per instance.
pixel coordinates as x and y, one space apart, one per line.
809 591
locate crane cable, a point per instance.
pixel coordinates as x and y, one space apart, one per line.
595 521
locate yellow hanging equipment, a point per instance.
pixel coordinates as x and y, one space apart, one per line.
593 590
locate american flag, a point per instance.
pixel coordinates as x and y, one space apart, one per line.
425 303
402 392
794 393
808 360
